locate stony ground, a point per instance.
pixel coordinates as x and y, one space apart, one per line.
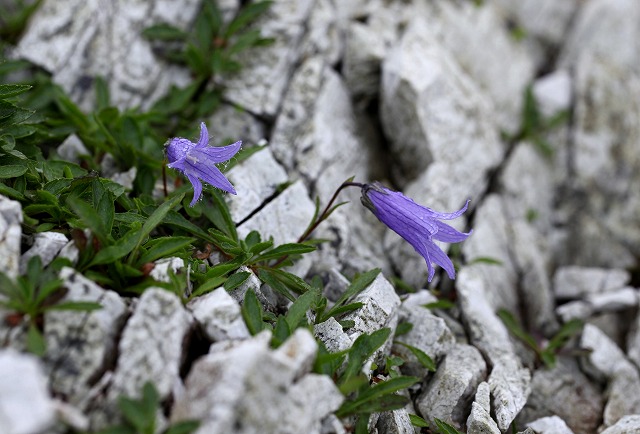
428 97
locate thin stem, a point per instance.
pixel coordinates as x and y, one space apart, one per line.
322 217
164 179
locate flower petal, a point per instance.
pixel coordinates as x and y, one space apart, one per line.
211 174
439 257
218 154
197 187
204 135
448 234
177 148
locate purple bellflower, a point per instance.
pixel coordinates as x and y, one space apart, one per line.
197 161
417 224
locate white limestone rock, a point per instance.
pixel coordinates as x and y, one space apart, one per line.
81 345
626 425
219 316
509 381
260 86
330 333
150 350
256 180
429 334
380 308
162 268
10 236
566 392
448 394
479 420
575 282
77 40
72 148
553 92
231 123
492 239
606 361
365 49
284 218
603 226
550 425
436 119
47 245
481 43
25 404
633 341
324 33
246 387
395 422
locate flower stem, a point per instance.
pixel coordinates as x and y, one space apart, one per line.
321 217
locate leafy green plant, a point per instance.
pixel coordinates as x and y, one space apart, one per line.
31 295
140 415
211 49
534 126
546 354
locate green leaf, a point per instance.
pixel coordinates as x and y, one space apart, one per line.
35 341
218 213
363 348
514 327
183 427
163 247
268 277
155 219
445 428
418 421
164 32
119 249
208 286
298 310
9 90
440 304
422 357
486 260
10 192
285 250
75 305
247 15
378 397
566 332
12 171
89 217
252 312
236 280
103 203
358 285
403 328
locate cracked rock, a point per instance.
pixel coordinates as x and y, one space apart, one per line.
550 425
449 392
81 345
479 421
246 387
573 282
626 425
219 316
46 245
395 422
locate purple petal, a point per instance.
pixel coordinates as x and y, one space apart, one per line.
212 155
448 234
204 135
197 187
211 174
177 149
450 215
439 257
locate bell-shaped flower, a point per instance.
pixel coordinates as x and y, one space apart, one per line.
197 161
417 224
